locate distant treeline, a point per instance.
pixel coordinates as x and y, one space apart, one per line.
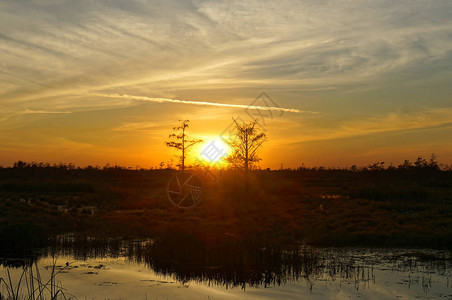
34 170
419 164
417 171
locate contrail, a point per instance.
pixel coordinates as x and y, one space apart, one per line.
166 100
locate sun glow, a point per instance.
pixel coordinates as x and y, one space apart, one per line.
214 151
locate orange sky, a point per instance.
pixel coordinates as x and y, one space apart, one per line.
361 82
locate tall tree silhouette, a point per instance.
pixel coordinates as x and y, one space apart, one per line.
247 140
182 143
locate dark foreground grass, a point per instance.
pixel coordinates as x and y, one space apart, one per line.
383 207
31 286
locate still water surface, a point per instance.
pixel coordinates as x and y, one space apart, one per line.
174 269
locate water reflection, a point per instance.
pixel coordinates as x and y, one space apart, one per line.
230 264
250 264
189 259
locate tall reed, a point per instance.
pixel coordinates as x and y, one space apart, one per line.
31 286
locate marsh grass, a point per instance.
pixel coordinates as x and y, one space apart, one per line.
404 206
47 186
32 286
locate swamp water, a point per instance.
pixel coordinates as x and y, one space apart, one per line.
175 268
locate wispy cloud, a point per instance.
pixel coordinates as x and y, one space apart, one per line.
205 103
351 61
31 111
135 126
390 122
209 45
7 115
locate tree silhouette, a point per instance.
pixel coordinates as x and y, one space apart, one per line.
181 142
247 140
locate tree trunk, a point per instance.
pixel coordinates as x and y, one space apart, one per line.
183 149
246 162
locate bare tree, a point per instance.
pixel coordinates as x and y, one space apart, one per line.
182 143
247 140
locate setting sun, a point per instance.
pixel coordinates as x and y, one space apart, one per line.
214 151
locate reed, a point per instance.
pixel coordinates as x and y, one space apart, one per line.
32 286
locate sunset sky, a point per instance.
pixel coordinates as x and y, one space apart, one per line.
96 82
